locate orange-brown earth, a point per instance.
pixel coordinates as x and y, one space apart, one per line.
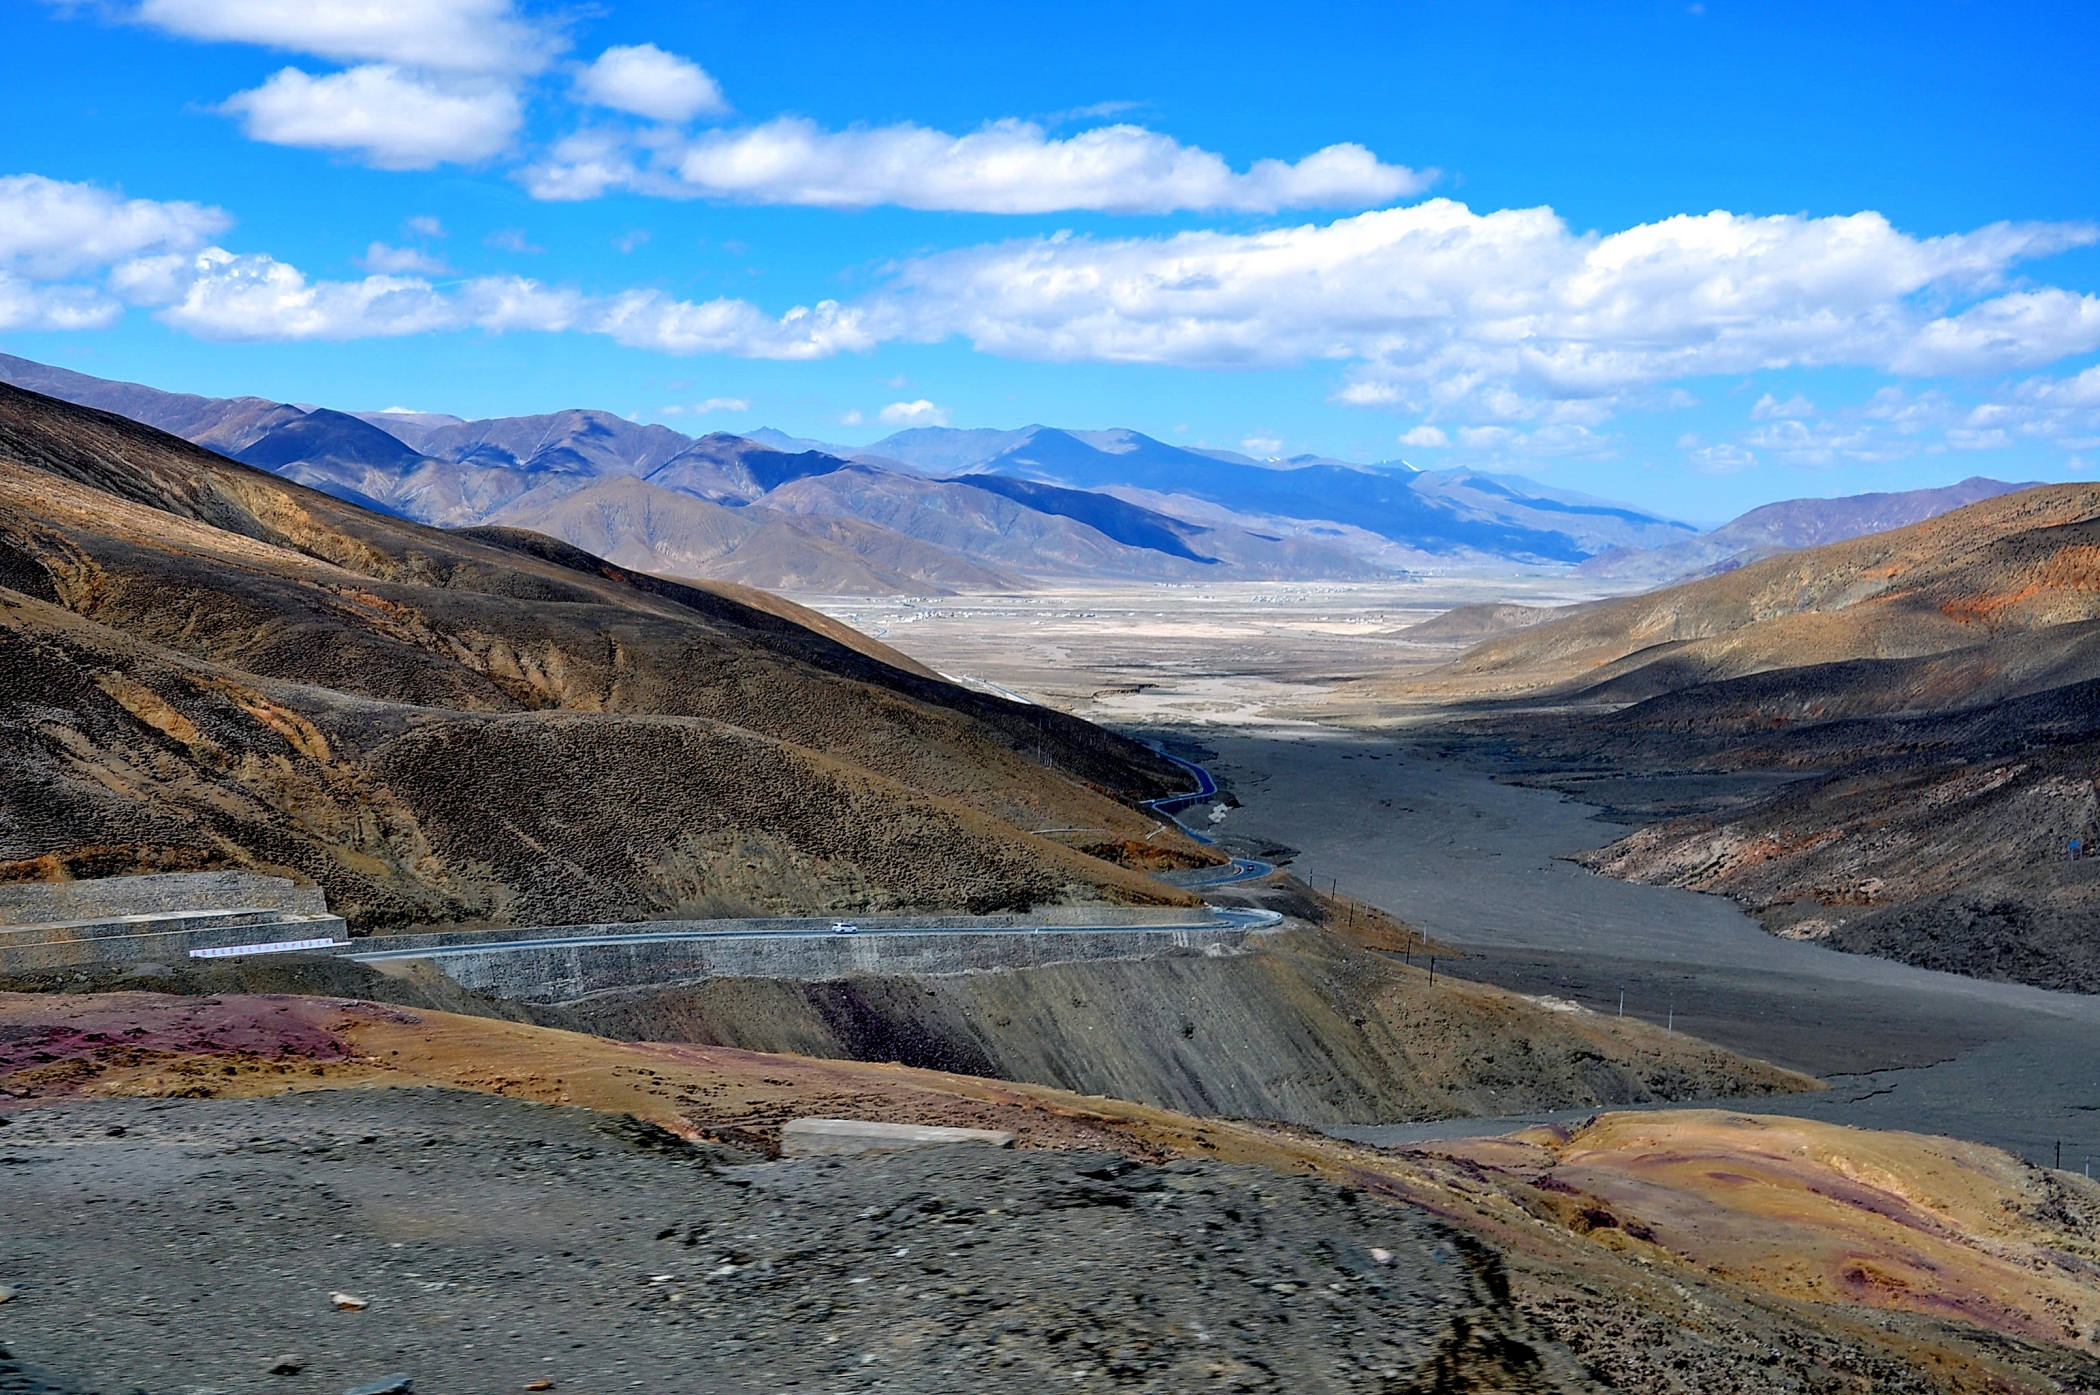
1677 1251
1820 1213
2016 563
211 666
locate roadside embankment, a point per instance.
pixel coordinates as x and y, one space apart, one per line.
1302 1026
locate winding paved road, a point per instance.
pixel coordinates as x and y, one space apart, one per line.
1240 869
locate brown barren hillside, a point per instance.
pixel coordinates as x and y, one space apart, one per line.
1935 688
2017 562
222 668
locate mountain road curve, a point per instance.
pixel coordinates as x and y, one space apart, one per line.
1240 869
1477 863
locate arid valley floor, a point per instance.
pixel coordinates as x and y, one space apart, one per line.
1454 835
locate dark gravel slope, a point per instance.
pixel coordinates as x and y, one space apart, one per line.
180 1245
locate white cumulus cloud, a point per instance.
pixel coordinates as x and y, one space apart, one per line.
2061 410
50 228
1424 438
919 413
1793 441
1435 301
30 305
2022 330
478 36
72 256
1004 167
231 297
227 297
643 80
391 117
430 81
60 240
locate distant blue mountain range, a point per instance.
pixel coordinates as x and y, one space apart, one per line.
1440 512
925 503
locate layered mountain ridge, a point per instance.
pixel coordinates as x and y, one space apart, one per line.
1789 526
1093 505
913 512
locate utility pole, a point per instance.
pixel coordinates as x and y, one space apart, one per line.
1622 1002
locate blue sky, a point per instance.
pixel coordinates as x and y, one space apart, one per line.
1697 256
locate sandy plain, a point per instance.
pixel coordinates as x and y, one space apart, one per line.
1242 656
1424 828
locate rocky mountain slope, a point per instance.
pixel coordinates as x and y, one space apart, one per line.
1789 526
1936 690
213 666
2016 563
641 525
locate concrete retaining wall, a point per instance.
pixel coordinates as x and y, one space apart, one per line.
109 942
564 973
1075 917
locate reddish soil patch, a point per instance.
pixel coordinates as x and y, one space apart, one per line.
54 1046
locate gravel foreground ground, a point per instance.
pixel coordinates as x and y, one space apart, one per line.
223 1245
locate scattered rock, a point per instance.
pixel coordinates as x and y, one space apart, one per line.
8 1291
541 1384
809 1137
953 1267
1382 1256
349 1302
287 1365
399 1383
